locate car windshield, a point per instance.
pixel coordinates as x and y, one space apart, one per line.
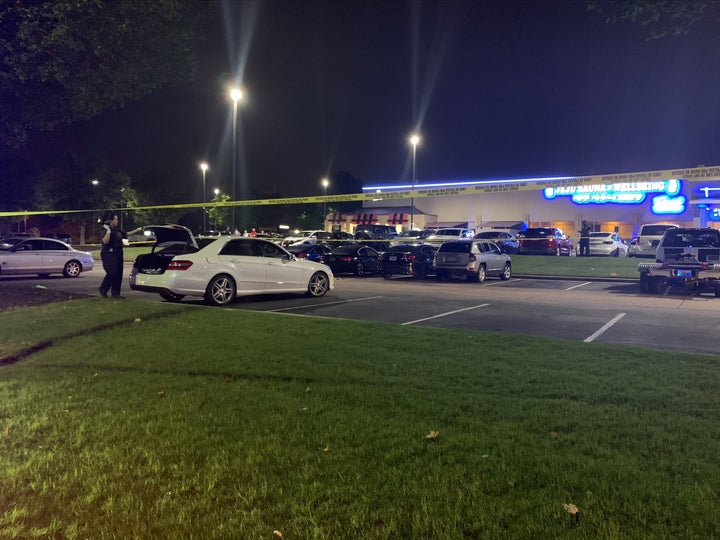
537 233
655 230
489 235
448 232
685 238
455 247
7 243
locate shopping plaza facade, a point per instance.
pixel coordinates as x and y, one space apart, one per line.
616 202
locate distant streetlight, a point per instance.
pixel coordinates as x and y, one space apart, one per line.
325 183
204 168
216 191
414 141
236 95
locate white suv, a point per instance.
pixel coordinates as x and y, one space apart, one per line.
700 244
649 237
450 233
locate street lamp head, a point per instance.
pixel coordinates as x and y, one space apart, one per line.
95 182
325 183
236 94
204 166
216 191
414 139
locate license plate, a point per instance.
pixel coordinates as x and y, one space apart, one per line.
450 259
392 258
332 259
683 273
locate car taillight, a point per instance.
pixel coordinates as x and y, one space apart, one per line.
346 259
472 258
410 257
301 255
179 265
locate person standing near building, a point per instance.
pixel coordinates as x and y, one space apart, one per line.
584 239
112 255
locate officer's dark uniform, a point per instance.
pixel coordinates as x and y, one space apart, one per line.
112 259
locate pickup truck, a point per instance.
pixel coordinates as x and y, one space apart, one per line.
686 258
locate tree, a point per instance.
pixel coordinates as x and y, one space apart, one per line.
661 17
64 60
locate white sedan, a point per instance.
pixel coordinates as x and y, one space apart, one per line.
223 269
607 243
42 256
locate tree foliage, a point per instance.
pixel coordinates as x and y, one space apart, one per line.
64 60
662 18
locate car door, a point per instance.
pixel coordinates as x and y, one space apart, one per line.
282 272
25 258
369 258
55 255
490 256
246 265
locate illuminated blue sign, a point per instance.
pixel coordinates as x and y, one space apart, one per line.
667 202
713 214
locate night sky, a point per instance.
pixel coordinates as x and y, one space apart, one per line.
496 89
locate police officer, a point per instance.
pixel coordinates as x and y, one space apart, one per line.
585 239
112 255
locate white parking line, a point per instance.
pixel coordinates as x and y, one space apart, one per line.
325 304
579 285
444 314
605 327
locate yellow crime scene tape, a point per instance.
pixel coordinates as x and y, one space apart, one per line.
472 188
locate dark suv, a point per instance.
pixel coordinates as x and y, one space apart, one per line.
377 236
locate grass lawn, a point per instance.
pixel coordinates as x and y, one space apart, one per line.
135 419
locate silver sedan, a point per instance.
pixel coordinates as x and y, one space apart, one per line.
42 256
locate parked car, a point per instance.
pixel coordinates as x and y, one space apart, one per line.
355 259
700 244
406 237
471 259
504 240
310 236
311 252
450 233
607 244
649 238
408 259
378 236
63 237
42 256
544 241
223 269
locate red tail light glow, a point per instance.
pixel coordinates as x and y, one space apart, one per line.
301 255
179 265
346 258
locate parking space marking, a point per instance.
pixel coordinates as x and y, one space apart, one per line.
604 328
579 285
325 304
444 314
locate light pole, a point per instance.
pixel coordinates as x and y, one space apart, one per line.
204 168
95 183
325 184
216 191
414 141
236 95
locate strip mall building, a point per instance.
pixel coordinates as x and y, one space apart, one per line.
617 202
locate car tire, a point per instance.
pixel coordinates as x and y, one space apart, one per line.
644 283
171 297
318 285
506 273
616 253
558 252
360 269
479 276
72 269
220 291
658 285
